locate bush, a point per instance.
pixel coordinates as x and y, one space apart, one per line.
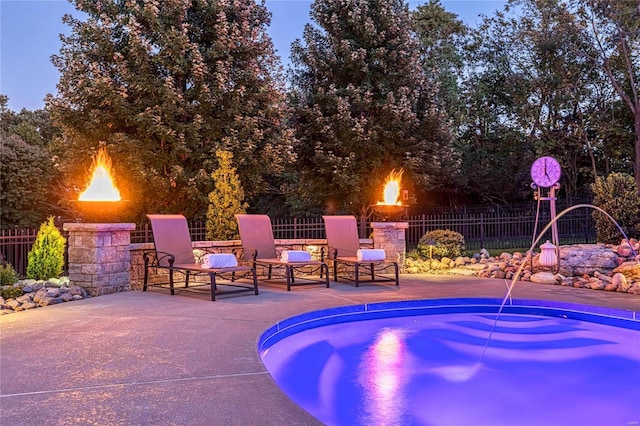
46 258
8 275
447 244
414 255
617 196
225 201
10 292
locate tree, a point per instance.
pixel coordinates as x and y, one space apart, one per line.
46 258
534 90
615 195
165 85
612 26
27 173
225 201
361 105
443 40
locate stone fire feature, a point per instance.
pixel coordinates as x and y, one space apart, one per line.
99 256
391 236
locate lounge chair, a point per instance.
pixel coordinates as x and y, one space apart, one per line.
258 247
173 250
343 245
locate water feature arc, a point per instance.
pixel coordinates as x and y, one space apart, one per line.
529 258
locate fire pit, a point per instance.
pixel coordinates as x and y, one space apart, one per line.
391 208
99 256
100 201
100 211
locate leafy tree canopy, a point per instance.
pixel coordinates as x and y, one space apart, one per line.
361 102
165 84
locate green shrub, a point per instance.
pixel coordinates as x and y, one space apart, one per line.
225 201
447 244
8 275
46 258
617 196
414 255
10 292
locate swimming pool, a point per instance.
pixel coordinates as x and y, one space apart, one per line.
428 362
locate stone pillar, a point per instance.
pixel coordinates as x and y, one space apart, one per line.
391 237
99 257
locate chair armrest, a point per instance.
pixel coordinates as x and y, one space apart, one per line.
238 252
153 258
245 253
332 253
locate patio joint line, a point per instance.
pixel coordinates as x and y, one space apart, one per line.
134 383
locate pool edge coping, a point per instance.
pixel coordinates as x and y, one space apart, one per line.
350 313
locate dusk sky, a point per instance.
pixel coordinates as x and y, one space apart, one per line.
29 35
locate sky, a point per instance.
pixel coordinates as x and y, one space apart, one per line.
30 33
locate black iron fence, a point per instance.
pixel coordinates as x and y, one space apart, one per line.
489 228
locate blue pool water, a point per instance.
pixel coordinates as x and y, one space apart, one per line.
425 363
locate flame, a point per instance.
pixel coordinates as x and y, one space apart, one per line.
392 188
101 186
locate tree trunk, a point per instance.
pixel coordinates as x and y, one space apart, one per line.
636 145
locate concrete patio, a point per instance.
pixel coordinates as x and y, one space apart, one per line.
155 359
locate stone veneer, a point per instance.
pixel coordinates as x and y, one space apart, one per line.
391 236
99 256
102 259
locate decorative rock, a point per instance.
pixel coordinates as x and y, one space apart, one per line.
461 261
53 292
586 259
46 301
25 298
12 304
66 297
78 291
602 277
506 256
619 279
610 287
543 278
624 249
52 282
567 282
624 287
630 269
596 284
29 305
39 295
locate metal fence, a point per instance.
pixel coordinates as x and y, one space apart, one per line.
490 228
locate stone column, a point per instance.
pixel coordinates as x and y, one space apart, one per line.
391 237
99 257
